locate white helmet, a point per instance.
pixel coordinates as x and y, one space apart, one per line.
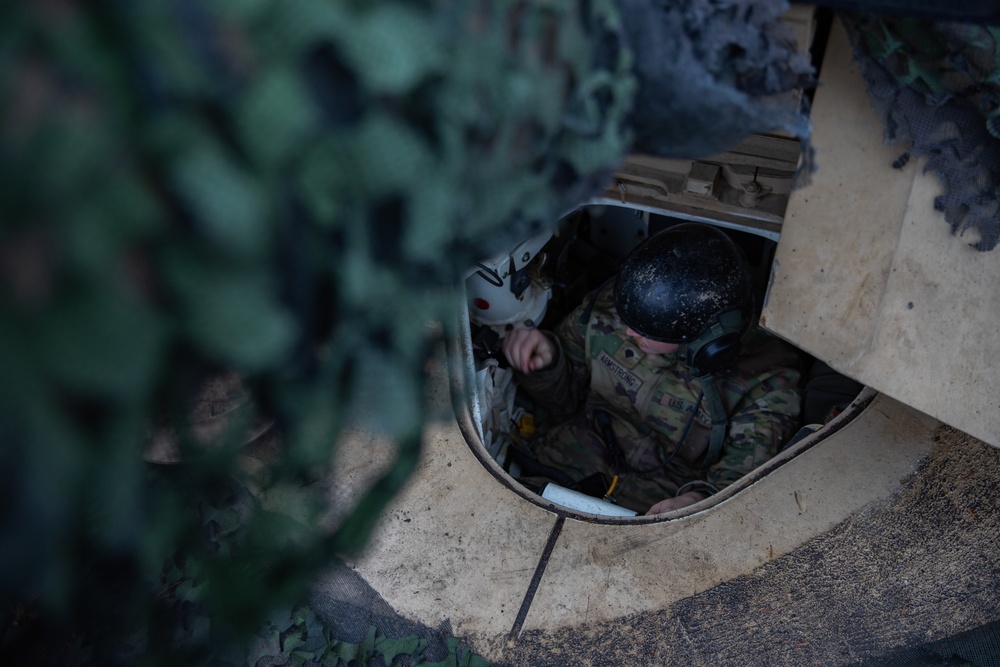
501 291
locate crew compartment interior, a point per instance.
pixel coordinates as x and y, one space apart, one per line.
540 281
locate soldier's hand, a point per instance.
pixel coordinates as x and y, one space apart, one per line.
528 350
683 500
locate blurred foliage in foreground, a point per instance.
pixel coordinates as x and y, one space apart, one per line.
281 189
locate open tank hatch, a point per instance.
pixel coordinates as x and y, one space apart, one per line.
540 282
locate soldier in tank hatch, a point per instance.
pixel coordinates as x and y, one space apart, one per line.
658 384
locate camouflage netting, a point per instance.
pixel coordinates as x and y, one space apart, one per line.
286 190
937 87
717 65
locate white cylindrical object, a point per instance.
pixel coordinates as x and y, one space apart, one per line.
581 502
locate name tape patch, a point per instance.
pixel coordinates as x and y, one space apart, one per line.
620 372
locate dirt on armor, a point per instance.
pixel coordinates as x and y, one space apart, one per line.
916 568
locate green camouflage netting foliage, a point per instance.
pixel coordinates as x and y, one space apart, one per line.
282 189
286 190
936 86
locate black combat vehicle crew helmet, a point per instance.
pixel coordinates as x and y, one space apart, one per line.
689 284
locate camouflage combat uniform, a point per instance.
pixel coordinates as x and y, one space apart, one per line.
658 415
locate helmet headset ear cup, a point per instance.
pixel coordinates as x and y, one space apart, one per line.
717 348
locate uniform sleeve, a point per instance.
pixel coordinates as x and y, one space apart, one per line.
763 421
561 388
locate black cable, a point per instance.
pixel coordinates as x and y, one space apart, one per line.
492 278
